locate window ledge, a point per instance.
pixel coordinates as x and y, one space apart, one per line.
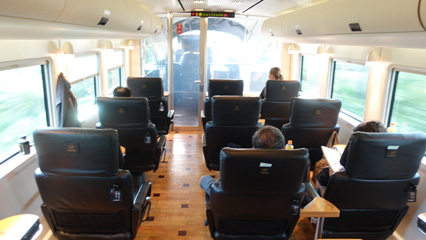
9 168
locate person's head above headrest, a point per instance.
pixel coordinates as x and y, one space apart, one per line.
268 137
122 92
370 126
275 74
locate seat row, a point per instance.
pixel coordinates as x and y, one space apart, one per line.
236 118
260 191
86 195
275 106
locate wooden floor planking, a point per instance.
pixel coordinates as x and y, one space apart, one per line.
178 210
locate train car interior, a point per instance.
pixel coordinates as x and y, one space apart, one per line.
199 79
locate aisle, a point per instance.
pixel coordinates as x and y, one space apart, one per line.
178 210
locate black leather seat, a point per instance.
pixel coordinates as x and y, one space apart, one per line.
219 87
312 121
276 105
130 117
257 192
85 194
152 88
372 193
234 121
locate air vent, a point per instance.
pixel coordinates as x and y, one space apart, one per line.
298 32
103 21
139 28
355 27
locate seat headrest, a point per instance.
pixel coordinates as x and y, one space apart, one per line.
235 110
77 151
225 87
151 88
263 170
123 112
277 90
314 113
379 156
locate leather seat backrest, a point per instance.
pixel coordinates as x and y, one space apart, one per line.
123 112
78 151
277 90
314 113
149 87
235 110
384 156
262 171
225 87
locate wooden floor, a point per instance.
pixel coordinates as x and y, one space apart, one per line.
178 210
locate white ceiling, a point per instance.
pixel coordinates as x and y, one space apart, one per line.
263 8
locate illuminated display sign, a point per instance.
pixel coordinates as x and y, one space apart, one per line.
212 14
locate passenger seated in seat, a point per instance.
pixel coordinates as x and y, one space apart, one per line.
274 74
266 137
324 175
122 92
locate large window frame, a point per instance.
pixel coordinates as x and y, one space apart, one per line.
347 111
115 68
86 111
393 88
305 84
44 97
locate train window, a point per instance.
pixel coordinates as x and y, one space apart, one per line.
84 77
85 92
310 72
407 109
350 84
237 50
115 63
114 78
22 106
155 60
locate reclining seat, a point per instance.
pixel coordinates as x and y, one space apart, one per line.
276 105
234 121
152 88
219 87
259 193
312 121
85 194
139 137
372 193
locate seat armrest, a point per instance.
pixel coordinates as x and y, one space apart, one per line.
143 192
203 115
310 190
140 203
203 140
162 141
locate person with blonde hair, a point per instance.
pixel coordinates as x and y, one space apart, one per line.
274 74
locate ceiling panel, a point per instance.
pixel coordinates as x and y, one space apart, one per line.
264 8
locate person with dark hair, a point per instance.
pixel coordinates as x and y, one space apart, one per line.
274 74
370 126
266 137
122 92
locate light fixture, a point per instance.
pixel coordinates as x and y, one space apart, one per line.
67 48
372 56
198 1
293 49
322 50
